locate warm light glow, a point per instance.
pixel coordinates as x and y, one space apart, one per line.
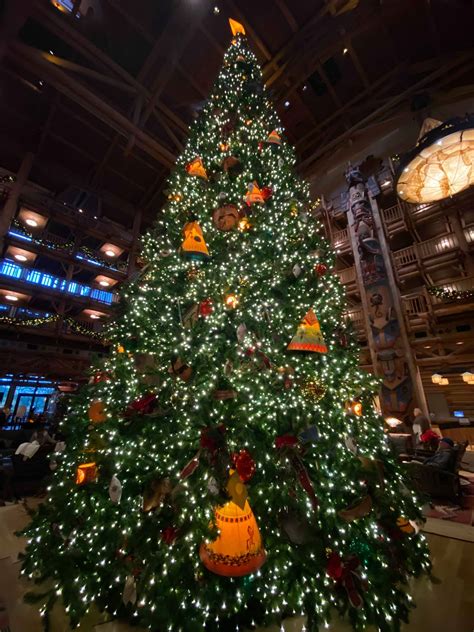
231 301
439 167
11 297
21 257
110 253
468 377
357 409
244 224
443 382
31 222
393 422
104 283
436 378
94 317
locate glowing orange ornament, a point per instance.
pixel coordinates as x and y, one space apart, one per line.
86 473
244 224
194 247
355 408
96 412
254 194
120 349
231 301
238 550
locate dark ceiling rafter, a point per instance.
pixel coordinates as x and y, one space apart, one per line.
447 67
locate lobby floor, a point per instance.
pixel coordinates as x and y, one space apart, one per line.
447 606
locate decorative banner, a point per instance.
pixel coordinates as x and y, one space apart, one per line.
308 336
196 168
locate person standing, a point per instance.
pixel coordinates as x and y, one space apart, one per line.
421 424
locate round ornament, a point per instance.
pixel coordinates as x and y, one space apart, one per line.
320 269
226 217
313 390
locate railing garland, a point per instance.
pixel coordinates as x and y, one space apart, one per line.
457 295
38 321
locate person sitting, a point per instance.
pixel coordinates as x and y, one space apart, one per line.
421 424
42 437
443 458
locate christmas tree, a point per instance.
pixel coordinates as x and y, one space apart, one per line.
226 467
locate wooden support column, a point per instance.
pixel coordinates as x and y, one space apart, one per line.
9 208
388 340
462 242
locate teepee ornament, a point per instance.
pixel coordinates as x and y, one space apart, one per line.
308 336
254 194
273 138
196 168
194 247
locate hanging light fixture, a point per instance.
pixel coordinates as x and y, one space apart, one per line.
436 378
468 377
442 162
443 382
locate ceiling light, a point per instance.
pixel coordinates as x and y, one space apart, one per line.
216 10
80 210
345 51
305 87
427 346
21 257
110 253
11 297
31 222
287 104
104 283
94 317
460 342
442 162
436 378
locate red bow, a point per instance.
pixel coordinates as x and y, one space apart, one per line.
291 442
144 405
345 573
285 440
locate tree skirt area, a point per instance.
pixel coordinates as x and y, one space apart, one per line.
462 513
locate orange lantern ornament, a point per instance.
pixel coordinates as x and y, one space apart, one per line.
86 473
308 336
238 550
196 168
96 412
120 349
194 247
231 301
355 408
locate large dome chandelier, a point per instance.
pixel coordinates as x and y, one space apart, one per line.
441 164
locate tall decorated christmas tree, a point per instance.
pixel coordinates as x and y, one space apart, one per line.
226 468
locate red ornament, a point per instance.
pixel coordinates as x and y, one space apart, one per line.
260 146
99 377
286 441
169 535
347 574
267 193
144 405
206 307
244 464
320 269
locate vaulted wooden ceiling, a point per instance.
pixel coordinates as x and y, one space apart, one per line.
103 95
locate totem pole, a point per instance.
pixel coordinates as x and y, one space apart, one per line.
388 341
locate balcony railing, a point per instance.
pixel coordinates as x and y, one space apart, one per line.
356 315
347 276
469 234
465 284
405 256
340 240
58 243
437 246
394 219
50 282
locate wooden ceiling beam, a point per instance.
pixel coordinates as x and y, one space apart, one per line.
285 11
358 66
31 59
447 67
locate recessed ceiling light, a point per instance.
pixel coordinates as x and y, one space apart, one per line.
305 87
110 253
31 222
345 51
104 283
94 317
80 210
287 104
427 346
217 10
11 297
21 257
460 342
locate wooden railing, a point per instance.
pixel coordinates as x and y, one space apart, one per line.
392 214
340 239
469 233
437 246
348 275
356 315
405 256
415 304
460 285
